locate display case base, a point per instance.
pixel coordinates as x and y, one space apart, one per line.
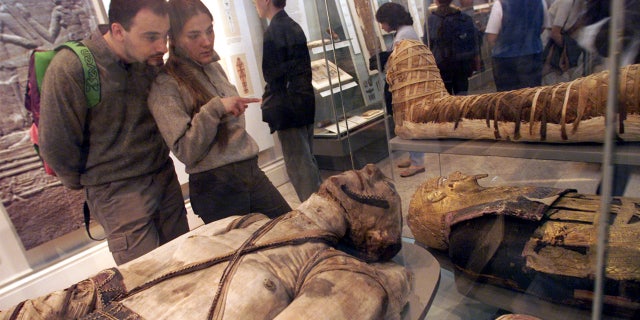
371 153
365 145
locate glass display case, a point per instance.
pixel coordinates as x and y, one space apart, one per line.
350 118
523 266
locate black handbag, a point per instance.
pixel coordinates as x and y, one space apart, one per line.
288 107
382 57
563 57
272 112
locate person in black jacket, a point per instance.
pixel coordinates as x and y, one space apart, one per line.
451 36
288 104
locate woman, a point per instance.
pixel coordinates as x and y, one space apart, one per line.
201 117
394 17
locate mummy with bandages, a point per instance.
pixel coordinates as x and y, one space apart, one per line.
328 259
562 113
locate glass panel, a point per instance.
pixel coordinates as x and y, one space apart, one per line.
40 209
516 133
350 127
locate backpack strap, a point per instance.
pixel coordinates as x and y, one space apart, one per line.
89 66
87 219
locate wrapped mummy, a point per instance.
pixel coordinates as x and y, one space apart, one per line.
251 267
565 112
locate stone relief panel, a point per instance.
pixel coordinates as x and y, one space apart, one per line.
39 207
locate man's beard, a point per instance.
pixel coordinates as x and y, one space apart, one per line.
156 60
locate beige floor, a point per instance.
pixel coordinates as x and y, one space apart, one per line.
449 303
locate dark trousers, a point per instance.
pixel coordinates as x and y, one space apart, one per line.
621 175
235 189
455 81
517 72
139 214
302 167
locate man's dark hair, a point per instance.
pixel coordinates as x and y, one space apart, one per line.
394 15
279 3
444 2
123 11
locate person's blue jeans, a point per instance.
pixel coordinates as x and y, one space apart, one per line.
302 168
416 158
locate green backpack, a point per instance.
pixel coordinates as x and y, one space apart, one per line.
38 63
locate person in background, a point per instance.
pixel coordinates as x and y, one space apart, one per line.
202 119
288 101
451 36
514 30
394 17
596 40
466 7
596 18
114 150
564 16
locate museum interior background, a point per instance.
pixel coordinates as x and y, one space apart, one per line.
45 246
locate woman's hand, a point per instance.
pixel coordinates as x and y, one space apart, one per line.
237 105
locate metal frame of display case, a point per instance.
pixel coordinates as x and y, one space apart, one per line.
626 153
